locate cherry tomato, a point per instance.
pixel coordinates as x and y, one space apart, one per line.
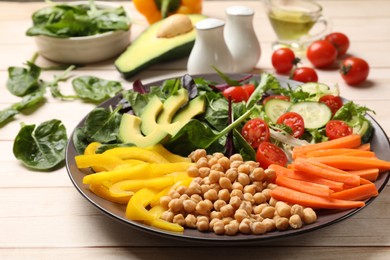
354 70
305 74
336 128
294 121
268 154
321 53
340 41
333 102
239 93
287 98
255 131
283 60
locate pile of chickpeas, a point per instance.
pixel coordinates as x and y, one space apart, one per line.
231 196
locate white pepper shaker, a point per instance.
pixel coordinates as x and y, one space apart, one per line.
241 39
210 49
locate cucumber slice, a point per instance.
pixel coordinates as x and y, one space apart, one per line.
315 115
274 108
314 88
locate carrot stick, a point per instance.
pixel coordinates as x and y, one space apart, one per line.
307 166
304 186
361 192
365 147
307 200
370 174
297 175
350 141
340 151
353 162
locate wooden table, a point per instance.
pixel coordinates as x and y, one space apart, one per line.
42 215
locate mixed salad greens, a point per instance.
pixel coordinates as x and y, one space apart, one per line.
218 129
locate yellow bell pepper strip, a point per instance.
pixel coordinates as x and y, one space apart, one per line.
103 192
138 153
160 223
155 10
103 161
160 169
171 157
91 149
128 187
136 208
135 172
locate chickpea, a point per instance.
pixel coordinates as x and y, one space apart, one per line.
215 186
202 225
184 197
193 171
216 215
231 228
225 183
232 175
213 160
237 193
244 168
224 162
243 179
209 203
259 208
269 224
179 219
167 216
245 226
257 174
206 181
212 222
217 167
227 210
235 164
214 176
204 188
270 175
198 180
295 222
271 186
282 223
267 194
202 208
211 195
253 164
204 171
174 194
224 195
190 220
175 205
240 215
189 206
219 227
249 197
218 204
309 216
236 157
164 201
251 188
218 155
196 198
258 227
235 201
268 212
259 198
259 185
202 162
197 154
237 186
283 209
247 206
227 220
194 188
297 209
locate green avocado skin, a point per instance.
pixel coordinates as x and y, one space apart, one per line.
147 49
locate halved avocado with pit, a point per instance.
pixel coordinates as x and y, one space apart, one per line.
149 49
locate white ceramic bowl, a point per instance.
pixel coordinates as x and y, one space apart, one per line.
86 49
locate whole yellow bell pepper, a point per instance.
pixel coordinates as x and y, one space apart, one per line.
155 10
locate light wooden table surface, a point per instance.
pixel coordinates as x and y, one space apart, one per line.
43 216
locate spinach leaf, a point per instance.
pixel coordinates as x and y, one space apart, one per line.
41 147
95 89
243 147
101 125
54 87
22 81
267 82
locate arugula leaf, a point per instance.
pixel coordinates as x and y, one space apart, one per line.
22 81
41 147
95 89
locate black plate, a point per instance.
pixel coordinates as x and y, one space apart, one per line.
379 143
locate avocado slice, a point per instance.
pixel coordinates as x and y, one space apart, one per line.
149 49
193 108
130 132
172 105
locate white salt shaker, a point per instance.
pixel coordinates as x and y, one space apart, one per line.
210 49
241 38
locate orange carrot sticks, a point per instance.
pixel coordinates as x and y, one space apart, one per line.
303 186
307 200
340 151
350 141
361 192
370 174
365 147
306 165
297 175
353 162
